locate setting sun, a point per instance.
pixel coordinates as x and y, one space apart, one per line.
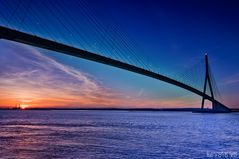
23 106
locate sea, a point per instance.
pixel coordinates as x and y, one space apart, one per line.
103 134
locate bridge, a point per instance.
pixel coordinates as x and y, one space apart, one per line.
45 43
17 36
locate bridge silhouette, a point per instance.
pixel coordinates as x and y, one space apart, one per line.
25 38
8 32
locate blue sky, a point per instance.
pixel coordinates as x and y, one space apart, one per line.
170 35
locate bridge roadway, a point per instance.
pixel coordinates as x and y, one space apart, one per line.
25 38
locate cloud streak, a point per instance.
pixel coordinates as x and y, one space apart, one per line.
42 81
234 79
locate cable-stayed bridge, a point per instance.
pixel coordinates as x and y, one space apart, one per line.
117 50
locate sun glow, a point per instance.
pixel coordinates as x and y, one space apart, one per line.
23 106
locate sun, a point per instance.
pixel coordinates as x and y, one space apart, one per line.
23 106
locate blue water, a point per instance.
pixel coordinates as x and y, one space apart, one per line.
116 134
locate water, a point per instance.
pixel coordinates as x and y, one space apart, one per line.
116 134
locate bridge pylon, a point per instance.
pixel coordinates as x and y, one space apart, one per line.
216 106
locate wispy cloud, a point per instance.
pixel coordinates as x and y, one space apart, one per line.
233 79
26 74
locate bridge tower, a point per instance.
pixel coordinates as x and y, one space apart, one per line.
207 80
216 106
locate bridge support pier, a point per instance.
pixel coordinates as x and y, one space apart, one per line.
218 107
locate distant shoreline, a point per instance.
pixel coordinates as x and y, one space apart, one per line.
120 109
128 109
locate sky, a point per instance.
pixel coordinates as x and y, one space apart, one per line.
167 36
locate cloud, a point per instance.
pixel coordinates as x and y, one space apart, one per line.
234 79
28 75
